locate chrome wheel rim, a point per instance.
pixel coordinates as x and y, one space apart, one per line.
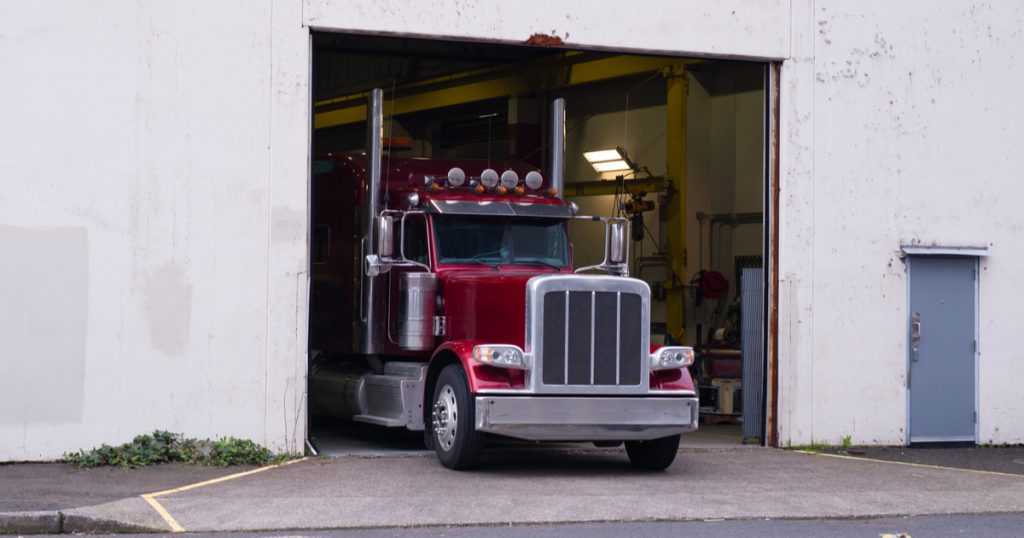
446 417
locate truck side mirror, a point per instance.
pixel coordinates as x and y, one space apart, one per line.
617 242
386 237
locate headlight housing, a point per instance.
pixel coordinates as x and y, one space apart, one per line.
500 355
671 358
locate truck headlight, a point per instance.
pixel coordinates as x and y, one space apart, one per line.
503 356
671 358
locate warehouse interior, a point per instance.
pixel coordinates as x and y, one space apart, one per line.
693 132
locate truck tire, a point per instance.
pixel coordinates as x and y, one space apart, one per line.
457 443
654 455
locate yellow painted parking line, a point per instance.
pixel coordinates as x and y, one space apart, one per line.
169 519
171 522
910 464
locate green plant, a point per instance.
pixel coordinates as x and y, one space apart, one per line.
847 441
813 447
166 447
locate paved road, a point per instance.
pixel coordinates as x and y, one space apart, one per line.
539 487
542 488
55 486
1007 459
989 526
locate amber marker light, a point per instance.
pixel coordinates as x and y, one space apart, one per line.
553 191
520 191
479 189
434 187
502 190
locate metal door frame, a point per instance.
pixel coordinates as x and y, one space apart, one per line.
911 252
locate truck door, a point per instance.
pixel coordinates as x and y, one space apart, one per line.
416 249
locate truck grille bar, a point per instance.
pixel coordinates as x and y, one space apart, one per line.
587 334
592 338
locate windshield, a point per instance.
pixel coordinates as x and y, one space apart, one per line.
501 241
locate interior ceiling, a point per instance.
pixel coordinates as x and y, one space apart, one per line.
351 63
348 65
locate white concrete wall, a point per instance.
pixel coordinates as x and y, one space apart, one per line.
152 222
153 166
901 124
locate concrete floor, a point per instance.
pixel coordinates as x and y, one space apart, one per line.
354 439
554 486
571 484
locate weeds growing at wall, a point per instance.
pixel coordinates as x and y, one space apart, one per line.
167 447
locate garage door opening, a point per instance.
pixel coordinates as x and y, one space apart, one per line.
677 147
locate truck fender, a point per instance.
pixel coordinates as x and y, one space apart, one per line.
480 376
670 379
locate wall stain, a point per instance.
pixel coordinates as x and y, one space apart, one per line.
169 308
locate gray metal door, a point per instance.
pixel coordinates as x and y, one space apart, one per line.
752 344
942 331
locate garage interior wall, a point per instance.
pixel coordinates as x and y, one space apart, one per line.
725 170
151 147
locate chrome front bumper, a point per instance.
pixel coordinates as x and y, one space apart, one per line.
560 418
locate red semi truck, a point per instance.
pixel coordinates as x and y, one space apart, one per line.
444 300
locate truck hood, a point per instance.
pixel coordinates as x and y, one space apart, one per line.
486 305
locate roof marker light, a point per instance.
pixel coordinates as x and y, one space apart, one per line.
534 180
509 179
489 178
456 177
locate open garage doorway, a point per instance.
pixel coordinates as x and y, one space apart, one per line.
678 146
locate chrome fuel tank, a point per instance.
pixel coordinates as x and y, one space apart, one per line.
416 310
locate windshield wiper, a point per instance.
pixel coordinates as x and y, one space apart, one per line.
537 262
475 262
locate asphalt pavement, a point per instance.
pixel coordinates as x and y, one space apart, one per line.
55 486
512 487
1007 459
988 525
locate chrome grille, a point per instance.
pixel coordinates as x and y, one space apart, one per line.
589 334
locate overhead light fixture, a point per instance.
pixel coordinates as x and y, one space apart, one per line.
609 160
618 165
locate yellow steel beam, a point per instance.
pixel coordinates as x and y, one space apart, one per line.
565 70
463 93
675 221
606 187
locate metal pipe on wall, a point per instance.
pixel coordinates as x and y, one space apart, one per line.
731 219
371 207
558 146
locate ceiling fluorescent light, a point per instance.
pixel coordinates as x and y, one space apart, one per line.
609 160
611 166
602 155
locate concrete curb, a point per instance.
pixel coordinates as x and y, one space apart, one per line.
73 523
47 522
70 522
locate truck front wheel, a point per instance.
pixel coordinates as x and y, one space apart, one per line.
655 455
457 443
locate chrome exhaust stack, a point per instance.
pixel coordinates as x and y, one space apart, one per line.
371 210
558 147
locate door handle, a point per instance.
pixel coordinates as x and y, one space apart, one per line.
915 336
